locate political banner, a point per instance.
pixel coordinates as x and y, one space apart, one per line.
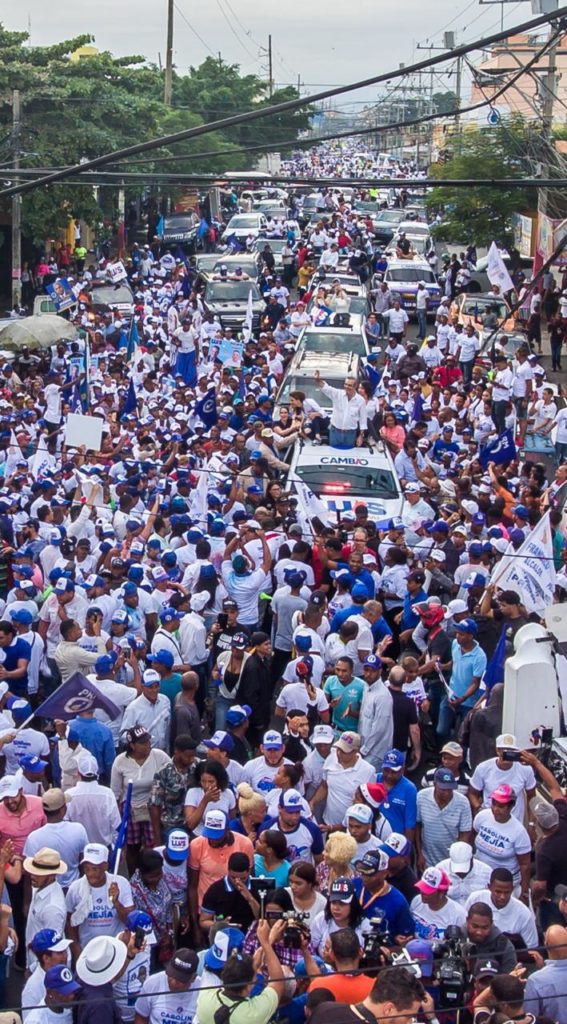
230 353
206 409
74 697
501 450
61 294
530 572
115 272
85 430
496 270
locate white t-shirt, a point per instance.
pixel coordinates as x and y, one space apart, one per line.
226 802
127 989
321 929
561 424
52 395
522 374
294 695
260 775
487 776
27 741
498 844
514 919
342 784
432 924
161 1006
102 918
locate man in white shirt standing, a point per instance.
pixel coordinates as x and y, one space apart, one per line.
92 805
349 412
501 391
509 914
343 772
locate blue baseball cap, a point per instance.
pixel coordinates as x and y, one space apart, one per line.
303 642
32 763
272 740
49 941
220 740
177 845
474 579
421 950
105 663
467 626
237 714
139 919
394 759
359 591
225 942
21 615
300 969
439 526
520 511
60 979
163 657
170 615
19 707
372 661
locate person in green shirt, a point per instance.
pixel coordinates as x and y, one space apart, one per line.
344 692
170 682
238 980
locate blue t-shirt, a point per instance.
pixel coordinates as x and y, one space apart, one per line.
380 628
410 619
392 905
96 737
400 805
9 657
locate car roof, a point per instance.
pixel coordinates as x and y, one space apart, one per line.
307 453
338 363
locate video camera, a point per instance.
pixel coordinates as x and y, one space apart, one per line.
378 936
452 970
295 929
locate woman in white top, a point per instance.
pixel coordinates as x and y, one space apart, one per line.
139 763
303 891
342 910
212 793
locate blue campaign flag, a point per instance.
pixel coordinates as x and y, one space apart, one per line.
76 400
241 386
417 411
122 831
131 402
206 409
373 376
494 672
160 227
202 229
75 696
501 450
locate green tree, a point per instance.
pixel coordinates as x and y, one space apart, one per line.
483 213
444 102
78 103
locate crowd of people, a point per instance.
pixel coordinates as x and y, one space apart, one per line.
302 791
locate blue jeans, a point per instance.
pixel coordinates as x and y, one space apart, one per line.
422 323
561 452
342 438
449 720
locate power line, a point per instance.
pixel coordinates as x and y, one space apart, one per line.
193 30
232 29
279 108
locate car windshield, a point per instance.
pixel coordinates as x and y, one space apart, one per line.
411 275
328 342
207 262
358 305
109 294
246 265
231 291
361 481
249 220
480 307
366 207
276 244
310 202
391 216
179 222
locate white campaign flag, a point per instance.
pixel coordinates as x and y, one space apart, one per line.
198 507
312 506
531 572
248 319
42 459
496 270
13 456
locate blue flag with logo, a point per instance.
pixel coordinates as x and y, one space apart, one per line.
494 672
133 339
75 696
417 411
206 409
501 450
131 402
373 376
76 400
122 830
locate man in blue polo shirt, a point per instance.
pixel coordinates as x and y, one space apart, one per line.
408 619
380 899
400 805
468 665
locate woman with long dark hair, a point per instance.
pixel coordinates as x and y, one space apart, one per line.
342 910
212 793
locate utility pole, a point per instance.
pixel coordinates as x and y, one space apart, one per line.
548 85
270 68
168 81
16 202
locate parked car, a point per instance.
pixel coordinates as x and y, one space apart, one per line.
228 300
242 225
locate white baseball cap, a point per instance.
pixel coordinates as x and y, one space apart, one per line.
460 856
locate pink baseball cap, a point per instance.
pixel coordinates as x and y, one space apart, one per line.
503 794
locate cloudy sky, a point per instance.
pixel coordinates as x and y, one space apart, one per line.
326 43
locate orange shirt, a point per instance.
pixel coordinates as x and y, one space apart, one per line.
346 988
17 827
212 861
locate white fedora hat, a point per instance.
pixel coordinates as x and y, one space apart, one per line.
101 960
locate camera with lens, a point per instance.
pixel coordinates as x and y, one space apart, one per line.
511 755
452 971
295 929
377 937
